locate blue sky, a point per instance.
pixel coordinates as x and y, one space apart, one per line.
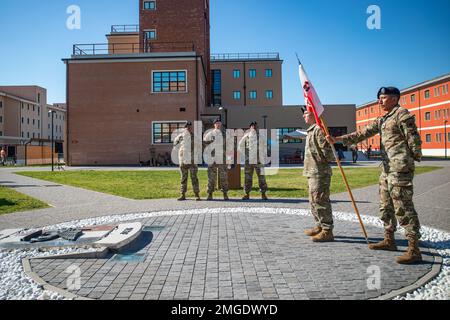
346 61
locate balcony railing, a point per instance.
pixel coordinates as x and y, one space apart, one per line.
124 28
245 56
131 48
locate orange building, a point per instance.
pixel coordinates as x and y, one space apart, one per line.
429 101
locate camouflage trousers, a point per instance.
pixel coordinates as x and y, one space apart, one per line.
396 202
213 171
259 169
319 200
185 169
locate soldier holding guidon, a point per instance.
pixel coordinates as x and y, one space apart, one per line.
400 147
318 156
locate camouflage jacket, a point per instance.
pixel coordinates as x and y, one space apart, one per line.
400 139
318 154
212 136
187 147
249 144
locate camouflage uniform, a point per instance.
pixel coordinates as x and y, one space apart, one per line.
250 142
187 163
318 155
400 147
217 169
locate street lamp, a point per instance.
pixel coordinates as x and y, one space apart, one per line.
52 112
445 138
265 122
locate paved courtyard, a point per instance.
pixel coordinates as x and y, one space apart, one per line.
232 250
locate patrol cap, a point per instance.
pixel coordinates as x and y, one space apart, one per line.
188 124
254 123
391 91
217 120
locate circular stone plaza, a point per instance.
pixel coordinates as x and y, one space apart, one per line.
166 250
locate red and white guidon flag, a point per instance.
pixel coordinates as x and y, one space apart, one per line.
312 100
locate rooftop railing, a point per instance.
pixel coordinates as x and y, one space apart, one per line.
124 28
245 56
131 48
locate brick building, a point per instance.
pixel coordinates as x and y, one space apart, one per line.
126 97
429 101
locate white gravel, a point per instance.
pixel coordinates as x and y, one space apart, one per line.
15 285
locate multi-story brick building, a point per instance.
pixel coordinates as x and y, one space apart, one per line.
429 101
246 80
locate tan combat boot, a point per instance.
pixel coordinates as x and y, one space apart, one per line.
246 197
225 196
264 197
313 232
210 197
412 254
197 197
182 198
324 236
388 244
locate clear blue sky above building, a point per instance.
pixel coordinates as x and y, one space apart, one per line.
346 61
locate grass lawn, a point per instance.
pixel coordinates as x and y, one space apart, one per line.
12 201
139 185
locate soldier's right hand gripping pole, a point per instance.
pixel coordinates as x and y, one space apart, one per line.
327 133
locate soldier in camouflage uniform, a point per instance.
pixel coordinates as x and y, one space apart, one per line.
318 155
400 147
187 163
215 169
250 142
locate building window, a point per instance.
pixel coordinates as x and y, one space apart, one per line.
282 131
28 135
269 73
428 116
252 73
150 34
39 124
413 98
428 138
162 131
216 87
437 114
1 133
169 81
445 89
1 119
237 95
34 122
1 104
437 91
149 5
33 135
22 134
236 74
269 94
39 98
448 137
49 126
253 95
22 119
438 137
427 94
28 120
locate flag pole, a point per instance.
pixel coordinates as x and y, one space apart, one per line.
344 177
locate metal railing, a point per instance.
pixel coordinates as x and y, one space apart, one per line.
124 28
129 48
245 56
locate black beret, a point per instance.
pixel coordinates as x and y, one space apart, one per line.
254 123
303 109
391 91
217 120
188 124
